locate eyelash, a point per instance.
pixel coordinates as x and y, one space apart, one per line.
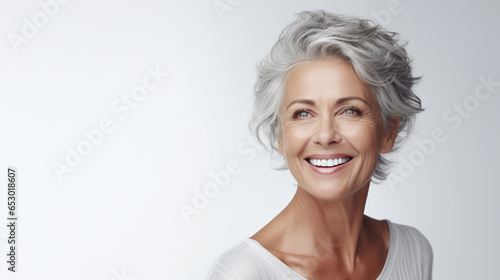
298 111
352 108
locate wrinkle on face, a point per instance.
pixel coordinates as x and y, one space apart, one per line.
324 89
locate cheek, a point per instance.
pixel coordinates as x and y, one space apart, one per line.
295 138
363 139
362 136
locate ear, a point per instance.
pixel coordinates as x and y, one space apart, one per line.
389 136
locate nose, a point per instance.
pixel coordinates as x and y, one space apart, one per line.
326 132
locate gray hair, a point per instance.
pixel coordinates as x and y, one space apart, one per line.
376 55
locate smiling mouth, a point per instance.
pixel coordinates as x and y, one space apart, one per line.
328 162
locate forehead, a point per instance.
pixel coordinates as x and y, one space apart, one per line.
327 80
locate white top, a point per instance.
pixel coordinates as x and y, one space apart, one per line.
409 257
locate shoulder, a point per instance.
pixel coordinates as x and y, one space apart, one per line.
410 238
244 261
411 249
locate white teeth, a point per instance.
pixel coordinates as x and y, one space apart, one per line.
329 162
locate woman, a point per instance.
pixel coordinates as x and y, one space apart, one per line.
333 96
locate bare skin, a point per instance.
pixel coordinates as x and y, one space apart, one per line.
327 244
323 233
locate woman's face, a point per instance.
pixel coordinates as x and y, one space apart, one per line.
331 129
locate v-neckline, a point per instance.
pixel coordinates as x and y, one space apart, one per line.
290 272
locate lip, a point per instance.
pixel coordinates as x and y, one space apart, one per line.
328 156
328 170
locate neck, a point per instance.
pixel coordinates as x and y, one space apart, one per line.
327 228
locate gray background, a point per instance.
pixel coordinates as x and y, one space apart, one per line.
116 214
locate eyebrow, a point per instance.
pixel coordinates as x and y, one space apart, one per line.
340 101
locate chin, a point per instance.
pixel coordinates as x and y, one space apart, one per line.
330 192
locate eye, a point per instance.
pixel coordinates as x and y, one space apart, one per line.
352 111
301 113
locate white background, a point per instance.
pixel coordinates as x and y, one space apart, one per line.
116 214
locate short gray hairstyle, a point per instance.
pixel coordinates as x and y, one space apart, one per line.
376 55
